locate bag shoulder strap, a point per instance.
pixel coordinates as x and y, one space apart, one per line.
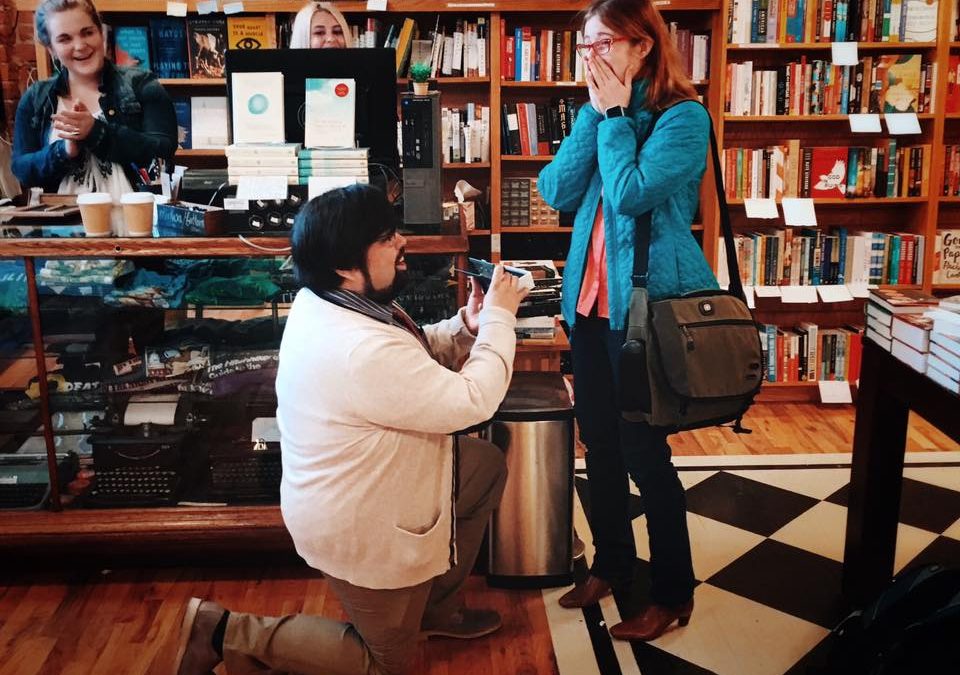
641 259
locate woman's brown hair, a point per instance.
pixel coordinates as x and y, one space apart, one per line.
667 80
48 7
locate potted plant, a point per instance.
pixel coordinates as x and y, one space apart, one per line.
420 73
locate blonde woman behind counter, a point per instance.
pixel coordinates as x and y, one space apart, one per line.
319 25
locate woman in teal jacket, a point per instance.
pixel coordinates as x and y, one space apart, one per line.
612 169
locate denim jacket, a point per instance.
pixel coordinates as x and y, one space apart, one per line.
661 176
140 125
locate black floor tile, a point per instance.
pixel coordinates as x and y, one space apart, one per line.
929 507
942 550
747 504
655 661
786 578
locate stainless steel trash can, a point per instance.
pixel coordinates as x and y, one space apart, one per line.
531 533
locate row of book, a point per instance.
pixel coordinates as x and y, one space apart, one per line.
808 352
521 205
887 169
694 49
779 21
952 104
466 133
920 330
815 257
332 166
532 55
459 50
882 84
536 128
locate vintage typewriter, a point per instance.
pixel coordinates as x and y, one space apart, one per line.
25 479
137 452
248 469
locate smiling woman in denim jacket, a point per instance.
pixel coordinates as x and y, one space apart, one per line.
81 130
610 175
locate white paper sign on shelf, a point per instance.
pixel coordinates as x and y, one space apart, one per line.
844 54
234 204
233 8
262 187
376 5
859 290
207 7
176 9
767 291
761 208
834 293
865 124
902 124
495 243
798 294
317 185
748 294
835 391
799 212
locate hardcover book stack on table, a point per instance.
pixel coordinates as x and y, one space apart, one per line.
324 169
895 321
262 159
943 360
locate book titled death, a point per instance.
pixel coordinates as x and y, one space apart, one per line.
256 100
330 112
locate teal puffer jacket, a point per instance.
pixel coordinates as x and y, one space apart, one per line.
662 176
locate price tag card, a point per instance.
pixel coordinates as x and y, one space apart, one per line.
761 208
799 212
233 8
865 124
767 291
902 124
834 293
834 391
176 9
798 294
262 187
376 5
859 290
207 7
844 53
751 300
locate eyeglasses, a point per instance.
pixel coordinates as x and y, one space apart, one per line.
600 47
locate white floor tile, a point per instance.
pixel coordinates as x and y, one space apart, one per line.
571 639
820 530
732 635
953 531
943 477
816 483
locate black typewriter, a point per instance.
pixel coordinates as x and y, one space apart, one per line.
246 474
137 453
25 479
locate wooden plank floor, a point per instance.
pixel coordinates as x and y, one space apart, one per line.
124 622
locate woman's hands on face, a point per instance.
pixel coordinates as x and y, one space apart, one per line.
73 126
605 88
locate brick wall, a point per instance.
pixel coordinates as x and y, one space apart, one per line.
17 55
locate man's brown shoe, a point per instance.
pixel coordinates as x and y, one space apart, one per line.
652 622
195 654
466 624
586 593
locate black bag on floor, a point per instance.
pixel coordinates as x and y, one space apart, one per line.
913 627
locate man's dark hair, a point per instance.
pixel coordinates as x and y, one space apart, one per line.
333 232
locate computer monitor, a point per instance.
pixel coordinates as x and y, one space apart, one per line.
373 69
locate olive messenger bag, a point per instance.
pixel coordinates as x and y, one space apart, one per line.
691 361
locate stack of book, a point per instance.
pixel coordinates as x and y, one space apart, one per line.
536 315
895 322
943 360
262 159
327 168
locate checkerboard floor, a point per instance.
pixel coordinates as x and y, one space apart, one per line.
767 537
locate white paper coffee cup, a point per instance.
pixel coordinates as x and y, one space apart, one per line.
138 213
95 211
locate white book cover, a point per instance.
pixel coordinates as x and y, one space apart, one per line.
482 57
274 150
943 380
257 103
447 65
909 355
485 133
207 115
255 160
330 112
948 369
458 51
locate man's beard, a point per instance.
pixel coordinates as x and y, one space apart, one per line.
384 296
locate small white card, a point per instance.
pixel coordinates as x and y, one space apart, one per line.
761 208
495 243
834 293
844 53
176 9
265 429
902 124
234 204
748 294
835 391
233 8
865 124
206 6
317 185
376 5
767 291
799 212
798 294
859 290
262 187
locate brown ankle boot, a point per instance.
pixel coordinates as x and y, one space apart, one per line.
652 622
585 593
195 655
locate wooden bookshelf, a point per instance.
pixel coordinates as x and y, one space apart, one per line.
780 119
826 46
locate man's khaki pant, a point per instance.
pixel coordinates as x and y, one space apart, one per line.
384 624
